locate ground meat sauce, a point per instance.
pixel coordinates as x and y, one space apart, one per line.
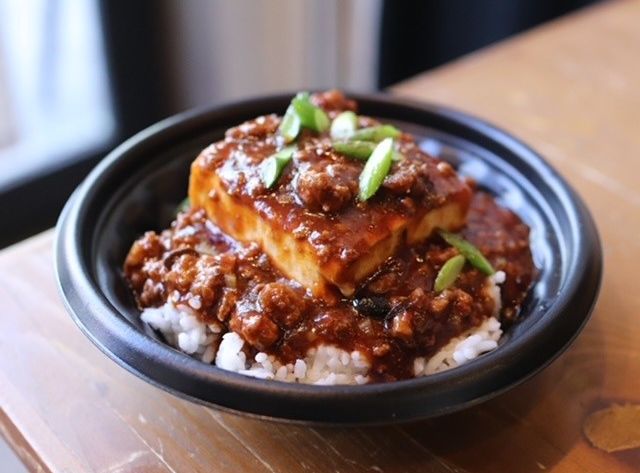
394 315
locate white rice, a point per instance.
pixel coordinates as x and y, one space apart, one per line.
461 349
325 364
184 331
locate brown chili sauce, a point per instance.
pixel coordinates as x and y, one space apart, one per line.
394 316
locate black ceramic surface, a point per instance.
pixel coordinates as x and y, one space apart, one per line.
137 187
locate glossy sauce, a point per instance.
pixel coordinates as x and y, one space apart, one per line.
315 198
394 317
394 314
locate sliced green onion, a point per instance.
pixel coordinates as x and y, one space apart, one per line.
183 206
397 156
361 149
304 109
310 116
449 273
376 133
290 125
355 149
273 166
344 125
321 120
469 251
376 169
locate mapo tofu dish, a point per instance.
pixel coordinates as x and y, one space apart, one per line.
324 246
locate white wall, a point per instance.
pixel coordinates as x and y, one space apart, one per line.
54 93
230 49
7 130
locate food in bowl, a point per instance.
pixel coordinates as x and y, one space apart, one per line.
326 247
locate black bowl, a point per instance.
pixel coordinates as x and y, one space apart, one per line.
137 187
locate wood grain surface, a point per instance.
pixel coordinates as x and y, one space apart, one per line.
571 89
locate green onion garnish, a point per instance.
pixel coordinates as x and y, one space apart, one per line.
273 166
310 116
376 133
449 273
376 169
344 125
361 149
397 156
355 149
183 206
469 251
290 125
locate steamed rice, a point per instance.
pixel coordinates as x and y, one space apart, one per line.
323 365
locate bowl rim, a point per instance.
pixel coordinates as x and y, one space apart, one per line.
458 388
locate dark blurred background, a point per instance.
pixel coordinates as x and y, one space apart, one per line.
79 76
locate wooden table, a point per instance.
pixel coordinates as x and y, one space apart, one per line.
572 90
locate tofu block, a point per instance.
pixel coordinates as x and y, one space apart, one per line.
322 251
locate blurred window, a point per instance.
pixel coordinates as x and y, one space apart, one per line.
55 103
